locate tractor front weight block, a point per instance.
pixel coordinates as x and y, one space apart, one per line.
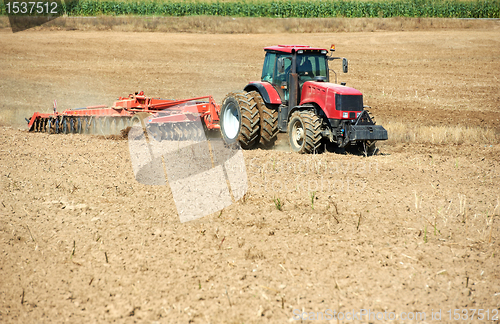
366 133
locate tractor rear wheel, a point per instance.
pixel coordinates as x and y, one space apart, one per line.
239 119
268 121
304 132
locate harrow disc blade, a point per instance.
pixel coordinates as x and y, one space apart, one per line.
50 126
180 131
167 131
177 132
155 132
79 126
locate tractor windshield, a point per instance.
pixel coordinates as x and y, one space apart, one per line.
310 66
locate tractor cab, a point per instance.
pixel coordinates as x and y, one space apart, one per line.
302 63
300 76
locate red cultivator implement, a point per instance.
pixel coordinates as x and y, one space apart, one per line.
165 118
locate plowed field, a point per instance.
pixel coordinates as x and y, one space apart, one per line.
414 229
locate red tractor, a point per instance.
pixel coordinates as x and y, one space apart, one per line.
295 96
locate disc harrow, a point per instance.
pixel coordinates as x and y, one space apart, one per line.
165 119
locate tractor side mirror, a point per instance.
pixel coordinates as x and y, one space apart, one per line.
281 65
344 65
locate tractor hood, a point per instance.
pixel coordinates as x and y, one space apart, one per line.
330 87
324 95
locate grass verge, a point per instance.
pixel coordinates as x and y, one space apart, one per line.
229 25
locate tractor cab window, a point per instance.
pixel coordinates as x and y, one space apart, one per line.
310 66
283 77
268 68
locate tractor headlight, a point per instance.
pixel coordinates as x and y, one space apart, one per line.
357 115
345 115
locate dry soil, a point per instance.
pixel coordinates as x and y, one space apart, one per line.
414 229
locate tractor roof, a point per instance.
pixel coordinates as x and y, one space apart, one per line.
289 48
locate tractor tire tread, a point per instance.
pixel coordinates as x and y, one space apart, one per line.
268 121
371 117
250 121
312 125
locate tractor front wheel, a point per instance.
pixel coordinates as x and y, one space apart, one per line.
304 132
239 119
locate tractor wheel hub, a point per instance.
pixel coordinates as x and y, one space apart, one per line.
299 134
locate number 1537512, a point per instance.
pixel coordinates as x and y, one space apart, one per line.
31 8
